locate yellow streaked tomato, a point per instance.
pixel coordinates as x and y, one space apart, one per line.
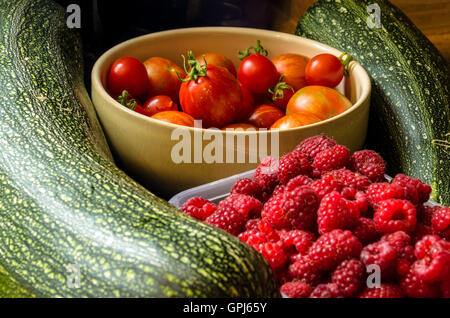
295 120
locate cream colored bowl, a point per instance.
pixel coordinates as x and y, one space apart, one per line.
168 158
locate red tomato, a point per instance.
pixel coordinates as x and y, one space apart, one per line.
281 93
247 105
265 115
133 103
321 101
214 97
158 104
325 70
257 73
162 75
240 126
292 66
175 117
295 120
127 73
217 60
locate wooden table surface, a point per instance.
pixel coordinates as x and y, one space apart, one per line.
432 17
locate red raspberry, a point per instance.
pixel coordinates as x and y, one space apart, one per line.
368 163
420 231
292 165
199 208
378 192
414 287
365 231
333 158
298 181
424 247
296 289
445 288
394 215
248 206
273 253
360 200
440 223
279 189
273 214
268 231
299 208
266 175
326 184
386 290
349 277
433 256
401 242
301 240
227 219
248 187
313 145
351 179
383 254
335 212
304 270
252 224
415 190
252 237
425 213
334 247
330 290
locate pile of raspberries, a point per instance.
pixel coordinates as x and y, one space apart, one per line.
331 225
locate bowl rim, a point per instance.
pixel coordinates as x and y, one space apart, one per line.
96 82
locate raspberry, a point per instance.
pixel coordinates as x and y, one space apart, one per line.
395 215
292 165
266 174
349 277
252 224
199 208
330 290
325 185
296 289
415 190
360 201
335 212
351 179
334 247
304 270
268 231
378 192
433 262
299 207
414 287
386 290
365 231
313 145
248 206
333 158
298 181
401 242
273 214
424 247
445 288
252 237
227 219
279 189
440 222
383 254
301 240
273 254
248 187
420 231
368 163
425 213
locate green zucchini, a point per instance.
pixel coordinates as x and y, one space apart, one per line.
410 102
71 223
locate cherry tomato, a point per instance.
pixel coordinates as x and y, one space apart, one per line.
247 105
295 120
257 73
158 104
265 115
133 103
217 60
281 93
239 126
175 117
321 101
127 73
162 75
292 66
325 70
211 94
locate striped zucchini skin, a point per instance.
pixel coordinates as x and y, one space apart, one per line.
64 204
410 103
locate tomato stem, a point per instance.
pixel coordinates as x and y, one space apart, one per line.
259 49
122 99
345 59
194 69
278 90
